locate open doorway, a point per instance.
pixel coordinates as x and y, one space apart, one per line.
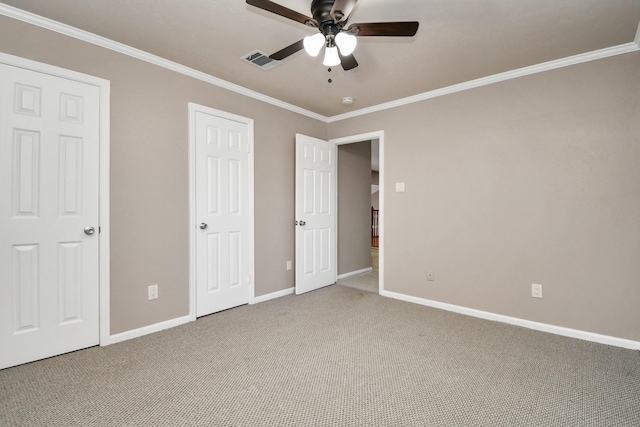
360 197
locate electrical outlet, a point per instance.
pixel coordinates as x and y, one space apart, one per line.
288 265
152 292
430 276
536 290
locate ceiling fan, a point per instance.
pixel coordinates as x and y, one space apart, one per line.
330 18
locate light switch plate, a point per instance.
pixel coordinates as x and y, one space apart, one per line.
399 187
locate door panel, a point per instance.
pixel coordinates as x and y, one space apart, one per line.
222 166
316 257
26 294
49 191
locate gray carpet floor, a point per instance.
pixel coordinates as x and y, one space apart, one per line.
333 357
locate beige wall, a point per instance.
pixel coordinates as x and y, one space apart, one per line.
149 173
354 208
532 180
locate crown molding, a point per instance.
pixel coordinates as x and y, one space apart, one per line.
97 40
106 43
496 78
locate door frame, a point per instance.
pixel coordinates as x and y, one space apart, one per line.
104 87
193 109
376 135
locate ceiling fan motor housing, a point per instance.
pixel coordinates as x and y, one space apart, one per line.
321 11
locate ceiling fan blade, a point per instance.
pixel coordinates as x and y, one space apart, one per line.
288 51
272 7
344 8
389 29
348 62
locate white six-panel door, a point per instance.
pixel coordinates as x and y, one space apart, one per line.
316 213
223 217
49 179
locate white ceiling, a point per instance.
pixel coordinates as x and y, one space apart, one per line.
458 41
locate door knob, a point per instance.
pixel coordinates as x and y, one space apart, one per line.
303 223
89 231
203 226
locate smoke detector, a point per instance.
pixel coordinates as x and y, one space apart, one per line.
347 100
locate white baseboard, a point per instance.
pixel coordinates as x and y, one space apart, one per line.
157 327
353 273
274 295
146 330
558 330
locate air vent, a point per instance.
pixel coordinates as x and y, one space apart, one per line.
261 60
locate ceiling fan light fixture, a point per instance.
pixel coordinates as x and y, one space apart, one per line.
346 43
313 44
331 57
